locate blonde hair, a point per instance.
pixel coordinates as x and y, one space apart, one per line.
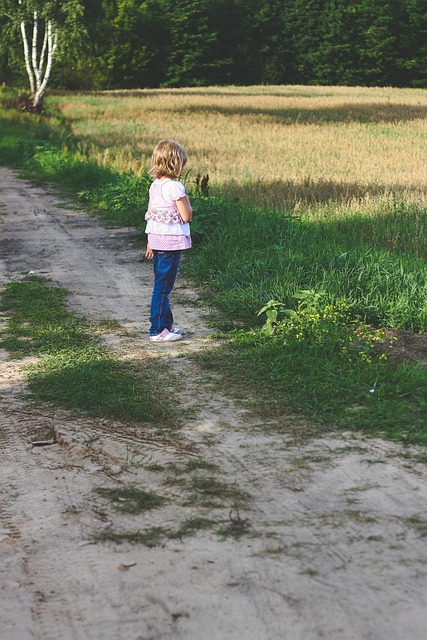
169 158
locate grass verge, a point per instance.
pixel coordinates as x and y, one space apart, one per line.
256 256
73 370
320 382
326 343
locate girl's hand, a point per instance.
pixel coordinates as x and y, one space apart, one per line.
149 253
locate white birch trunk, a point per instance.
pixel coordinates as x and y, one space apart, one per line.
34 49
27 58
39 64
51 38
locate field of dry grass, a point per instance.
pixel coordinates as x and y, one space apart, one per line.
284 147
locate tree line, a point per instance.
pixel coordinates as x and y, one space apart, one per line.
124 44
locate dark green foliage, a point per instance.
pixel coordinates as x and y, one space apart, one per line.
195 50
137 56
152 43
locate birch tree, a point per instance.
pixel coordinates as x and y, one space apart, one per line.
43 25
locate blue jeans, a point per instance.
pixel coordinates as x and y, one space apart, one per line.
166 265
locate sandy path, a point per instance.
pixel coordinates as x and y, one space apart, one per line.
336 540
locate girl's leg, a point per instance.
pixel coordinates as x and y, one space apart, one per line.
165 269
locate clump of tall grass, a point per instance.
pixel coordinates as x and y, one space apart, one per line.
255 256
387 221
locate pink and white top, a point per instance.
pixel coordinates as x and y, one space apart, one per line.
165 228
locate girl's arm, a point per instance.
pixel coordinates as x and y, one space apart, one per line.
149 253
185 209
149 207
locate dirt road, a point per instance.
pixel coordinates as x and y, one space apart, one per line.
259 538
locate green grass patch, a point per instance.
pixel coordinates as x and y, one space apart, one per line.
210 486
39 322
326 356
256 256
417 458
210 492
191 526
200 463
232 527
74 371
148 537
22 134
131 499
348 380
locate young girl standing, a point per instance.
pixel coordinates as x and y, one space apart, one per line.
168 216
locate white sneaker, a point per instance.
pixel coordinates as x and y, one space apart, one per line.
166 336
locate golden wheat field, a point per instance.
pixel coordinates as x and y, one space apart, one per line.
285 147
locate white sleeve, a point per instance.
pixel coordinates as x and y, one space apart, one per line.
175 190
